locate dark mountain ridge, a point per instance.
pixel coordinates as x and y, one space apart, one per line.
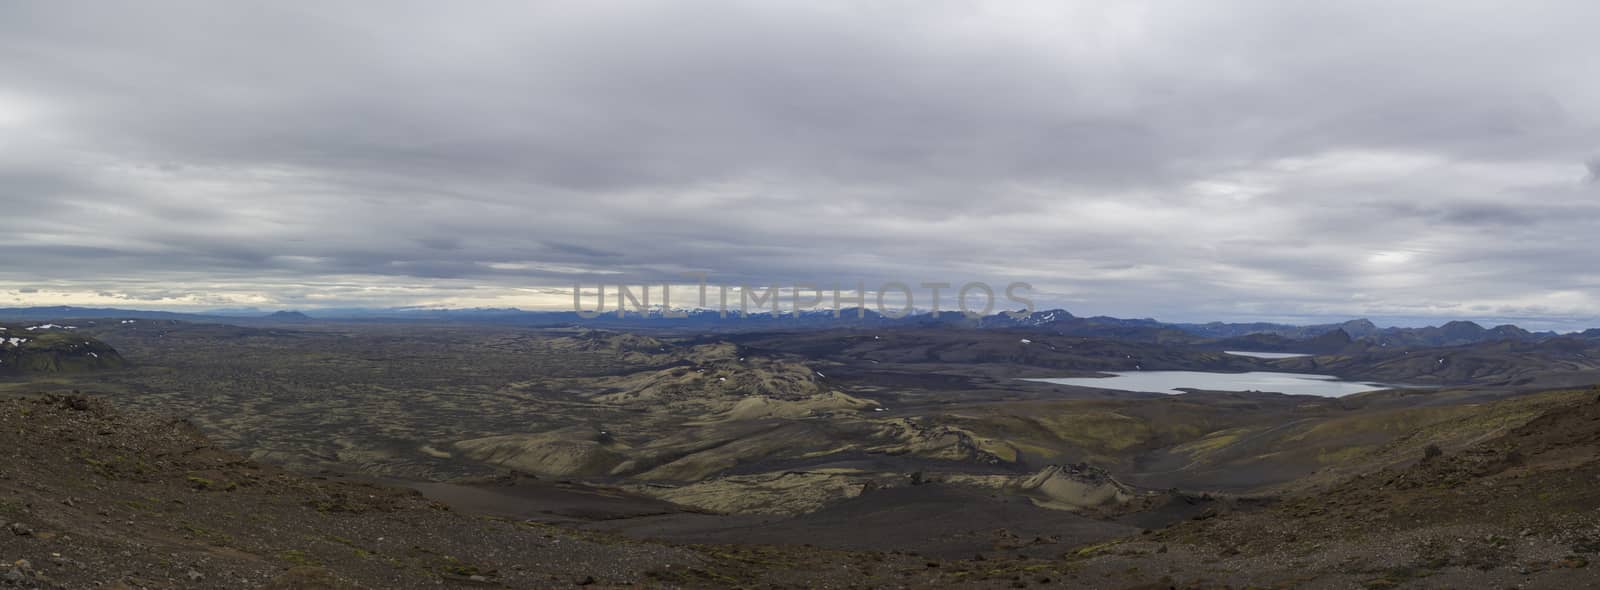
1259 336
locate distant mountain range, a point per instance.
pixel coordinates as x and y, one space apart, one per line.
1259 336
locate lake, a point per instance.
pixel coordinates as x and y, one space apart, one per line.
1171 381
1265 355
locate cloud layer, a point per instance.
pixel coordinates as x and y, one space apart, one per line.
1232 160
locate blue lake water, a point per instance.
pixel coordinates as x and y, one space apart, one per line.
1171 381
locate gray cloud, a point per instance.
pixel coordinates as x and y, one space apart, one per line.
1241 159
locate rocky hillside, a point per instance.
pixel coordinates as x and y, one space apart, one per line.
1506 362
95 498
91 497
52 348
1514 511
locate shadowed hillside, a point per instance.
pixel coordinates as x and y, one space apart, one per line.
52 348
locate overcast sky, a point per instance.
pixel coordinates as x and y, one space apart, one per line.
1182 160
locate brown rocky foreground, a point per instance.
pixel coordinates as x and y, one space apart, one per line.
95 498
91 497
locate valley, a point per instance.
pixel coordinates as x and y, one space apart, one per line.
941 442
784 295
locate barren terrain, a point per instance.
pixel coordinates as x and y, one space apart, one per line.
909 456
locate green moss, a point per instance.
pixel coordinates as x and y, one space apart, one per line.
298 557
1212 442
1091 550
